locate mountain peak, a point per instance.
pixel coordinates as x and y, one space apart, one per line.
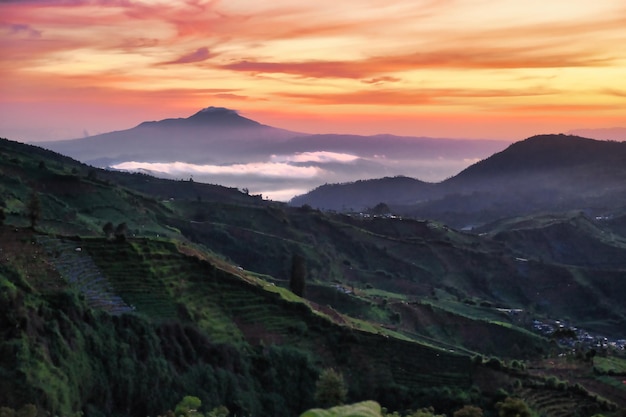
222 116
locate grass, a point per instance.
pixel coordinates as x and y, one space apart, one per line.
375 292
610 364
615 383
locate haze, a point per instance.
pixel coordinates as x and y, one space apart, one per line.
496 69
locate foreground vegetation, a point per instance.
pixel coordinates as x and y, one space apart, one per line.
123 294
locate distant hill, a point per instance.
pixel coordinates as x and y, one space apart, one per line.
365 194
541 173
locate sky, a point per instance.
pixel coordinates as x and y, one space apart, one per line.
494 69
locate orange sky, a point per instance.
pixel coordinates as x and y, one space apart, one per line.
466 68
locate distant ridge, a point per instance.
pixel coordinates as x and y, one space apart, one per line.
364 194
543 154
541 173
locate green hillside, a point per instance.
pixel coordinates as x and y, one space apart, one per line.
187 293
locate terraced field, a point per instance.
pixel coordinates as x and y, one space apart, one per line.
161 282
80 272
555 403
132 275
151 274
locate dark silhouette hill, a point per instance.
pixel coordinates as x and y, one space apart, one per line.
568 158
541 173
365 194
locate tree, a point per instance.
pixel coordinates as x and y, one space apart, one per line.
220 411
513 407
297 282
120 232
188 407
469 411
34 209
3 216
330 388
108 229
425 412
29 410
380 209
7 412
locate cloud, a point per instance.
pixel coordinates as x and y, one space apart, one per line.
547 108
615 92
199 55
325 59
467 58
284 194
317 157
19 29
381 80
230 96
257 169
402 97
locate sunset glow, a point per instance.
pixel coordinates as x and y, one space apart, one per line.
500 69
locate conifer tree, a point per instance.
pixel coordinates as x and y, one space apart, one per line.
108 229
330 388
34 210
120 232
297 282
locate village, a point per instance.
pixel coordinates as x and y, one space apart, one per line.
574 337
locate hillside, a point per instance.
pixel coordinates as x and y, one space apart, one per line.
192 298
539 174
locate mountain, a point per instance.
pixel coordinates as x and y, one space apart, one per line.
189 294
219 146
214 134
541 173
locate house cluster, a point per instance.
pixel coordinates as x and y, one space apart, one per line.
574 336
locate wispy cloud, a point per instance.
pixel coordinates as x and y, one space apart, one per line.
403 97
381 80
467 58
20 29
199 55
615 92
